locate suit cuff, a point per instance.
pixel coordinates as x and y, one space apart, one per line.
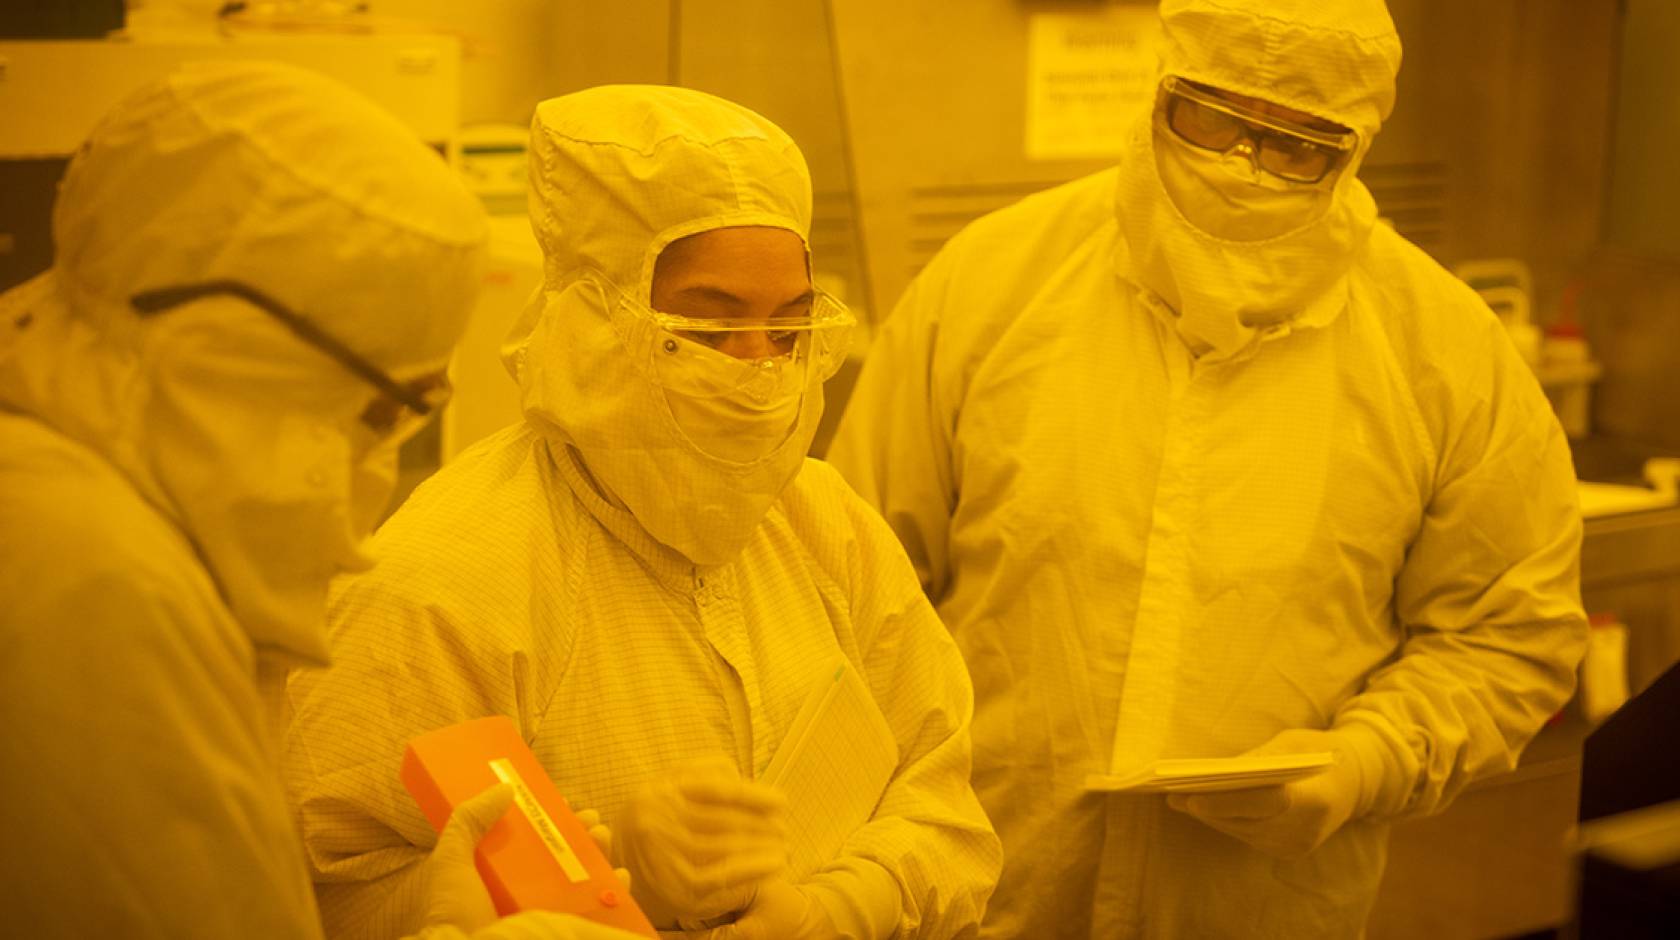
860 897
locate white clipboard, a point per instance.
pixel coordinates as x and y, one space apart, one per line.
834 765
1204 774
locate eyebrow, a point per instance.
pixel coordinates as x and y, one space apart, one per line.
1318 124
719 295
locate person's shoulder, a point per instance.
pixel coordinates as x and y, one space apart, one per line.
1453 350
845 543
84 556
1419 302
476 537
1011 244
820 493
835 524
1070 211
67 516
981 280
484 496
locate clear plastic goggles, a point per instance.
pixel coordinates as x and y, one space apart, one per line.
685 354
1282 148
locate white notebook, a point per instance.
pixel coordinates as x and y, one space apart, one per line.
836 761
1212 773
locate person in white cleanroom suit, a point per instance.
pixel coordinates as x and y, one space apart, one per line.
258 278
647 573
1195 459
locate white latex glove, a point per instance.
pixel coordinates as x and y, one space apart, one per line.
458 903
852 899
455 893
779 911
698 839
1287 820
603 838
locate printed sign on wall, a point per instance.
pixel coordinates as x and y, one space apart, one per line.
1088 74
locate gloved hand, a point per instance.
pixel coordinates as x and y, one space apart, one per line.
455 893
458 904
602 835
778 911
698 839
1288 820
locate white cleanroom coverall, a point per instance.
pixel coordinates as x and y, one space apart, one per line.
630 601
1176 493
176 489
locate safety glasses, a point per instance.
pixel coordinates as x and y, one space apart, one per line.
692 356
827 318
402 407
1282 148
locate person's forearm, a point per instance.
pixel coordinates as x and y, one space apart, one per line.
1458 706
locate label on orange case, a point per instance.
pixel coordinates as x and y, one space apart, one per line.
546 830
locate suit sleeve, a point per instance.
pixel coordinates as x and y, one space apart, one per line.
1489 597
401 667
928 837
140 794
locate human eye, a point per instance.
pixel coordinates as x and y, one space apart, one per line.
782 340
1205 126
706 338
1297 152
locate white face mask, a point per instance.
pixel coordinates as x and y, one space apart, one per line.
736 428
742 425
1222 292
268 509
699 475
1227 197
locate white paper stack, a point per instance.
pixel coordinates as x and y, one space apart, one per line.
836 761
1212 773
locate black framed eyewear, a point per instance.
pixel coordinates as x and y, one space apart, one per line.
162 299
1284 149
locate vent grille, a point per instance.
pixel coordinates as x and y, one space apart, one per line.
1413 196
939 212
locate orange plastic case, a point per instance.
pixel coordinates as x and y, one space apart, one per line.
538 856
